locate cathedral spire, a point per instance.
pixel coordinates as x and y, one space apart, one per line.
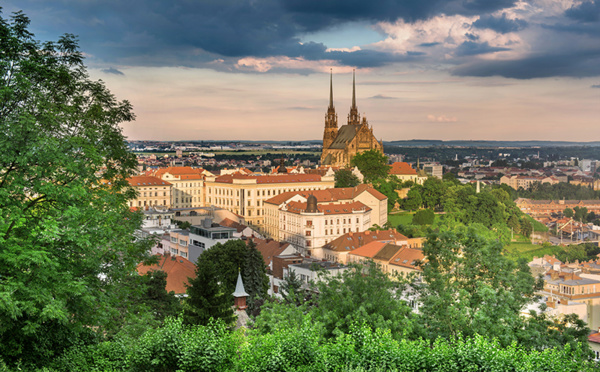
354 116
331 88
353 89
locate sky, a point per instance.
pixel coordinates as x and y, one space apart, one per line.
259 69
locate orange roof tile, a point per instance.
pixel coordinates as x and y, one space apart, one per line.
328 209
269 248
179 270
402 168
137 181
407 257
368 250
270 178
231 223
329 195
350 241
178 171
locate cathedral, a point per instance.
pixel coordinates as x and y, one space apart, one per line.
341 144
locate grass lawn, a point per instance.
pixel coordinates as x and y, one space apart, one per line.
523 248
403 218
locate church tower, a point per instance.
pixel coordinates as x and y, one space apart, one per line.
353 116
331 120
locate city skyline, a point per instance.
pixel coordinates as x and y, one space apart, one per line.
259 70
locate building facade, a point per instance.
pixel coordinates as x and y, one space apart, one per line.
151 191
365 194
308 225
245 195
341 144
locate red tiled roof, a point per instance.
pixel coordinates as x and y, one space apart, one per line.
368 250
594 337
179 270
178 171
270 178
269 248
327 209
137 181
329 195
402 168
406 257
350 241
231 223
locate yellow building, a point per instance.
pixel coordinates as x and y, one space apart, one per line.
151 191
245 195
188 184
340 145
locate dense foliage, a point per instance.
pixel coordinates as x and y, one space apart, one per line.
66 232
209 294
345 178
177 347
372 164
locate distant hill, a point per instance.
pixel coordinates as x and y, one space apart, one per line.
458 143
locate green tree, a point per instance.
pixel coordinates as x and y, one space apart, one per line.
432 193
254 275
568 212
162 303
372 164
423 217
66 232
291 288
580 214
207 297
362 294
345 178
413 200
472 288
208 293
388 187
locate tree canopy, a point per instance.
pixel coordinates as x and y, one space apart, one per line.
66 232
345 178
210 293
372 164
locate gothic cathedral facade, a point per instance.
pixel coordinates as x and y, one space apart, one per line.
341 144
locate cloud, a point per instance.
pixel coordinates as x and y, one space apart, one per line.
441 119
112 70
157 32
500 24
380 96
596 86
570 63
471 48
586 11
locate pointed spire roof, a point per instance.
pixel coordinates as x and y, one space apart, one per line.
331 88
353 88
354 116
239 287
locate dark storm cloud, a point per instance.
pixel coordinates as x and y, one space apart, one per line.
389 10
429 45
112 70
157 32
568 63
471 48
588 11
502 24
